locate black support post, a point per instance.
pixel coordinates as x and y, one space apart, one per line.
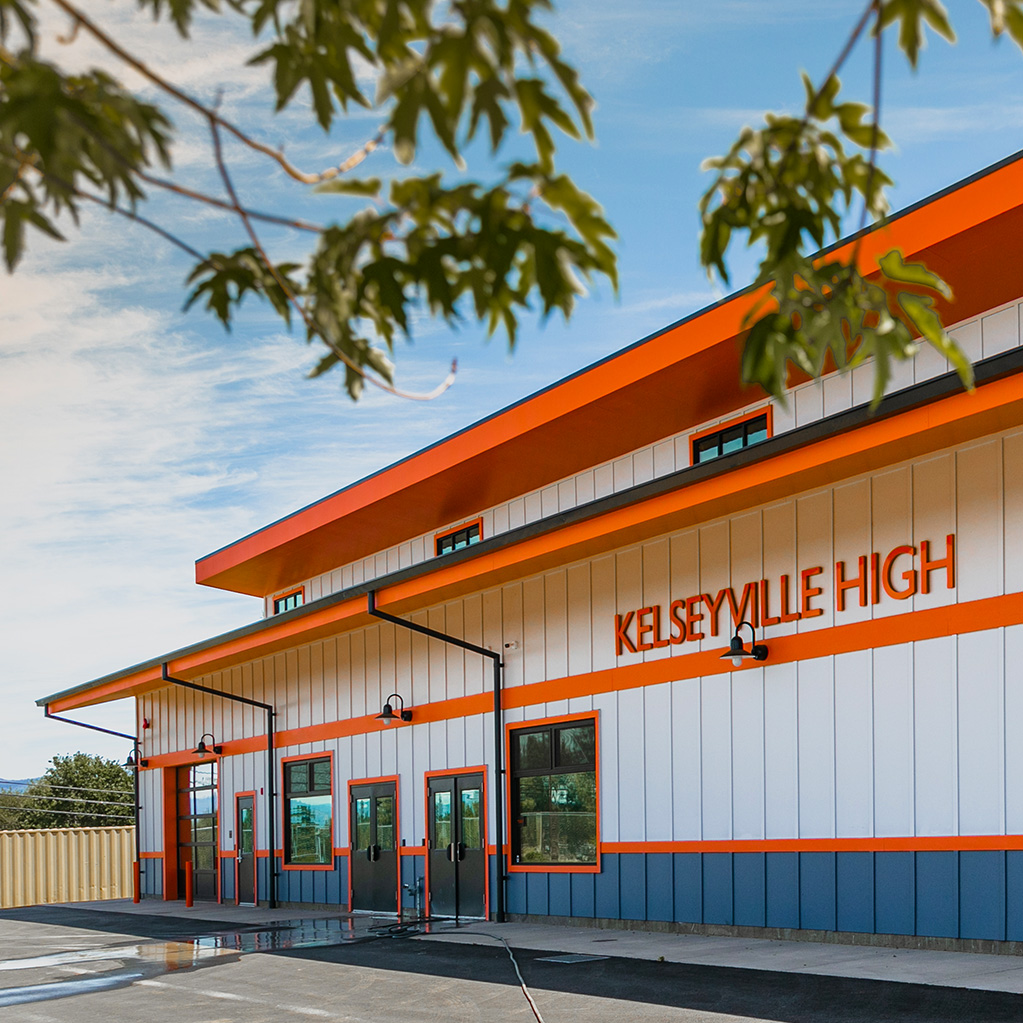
498 736
270 802
135 742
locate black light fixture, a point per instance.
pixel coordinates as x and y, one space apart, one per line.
737 652
202 749
134 760
388 715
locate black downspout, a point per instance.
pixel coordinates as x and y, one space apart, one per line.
498 736
271 807
137 751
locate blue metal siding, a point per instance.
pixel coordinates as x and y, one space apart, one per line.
537 903
606 887
750 883
1014 895
817 897
937 894
559 894
717 888
854 891
583 903
895 893
982 895
782 889
633 882
659 886
688 887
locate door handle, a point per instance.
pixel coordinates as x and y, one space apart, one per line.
451 851
461 850
375 850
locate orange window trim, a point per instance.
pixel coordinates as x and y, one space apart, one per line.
457 529
333 809
551 868
284 594
764 410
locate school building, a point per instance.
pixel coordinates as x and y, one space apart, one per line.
645 646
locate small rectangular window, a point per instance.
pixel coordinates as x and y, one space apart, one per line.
289 601
554 795
730 438
458 539
308 812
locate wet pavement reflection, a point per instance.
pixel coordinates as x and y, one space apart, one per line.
119 965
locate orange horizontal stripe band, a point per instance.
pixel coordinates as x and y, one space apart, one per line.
411 850
913 626
995 406
912 843
152 856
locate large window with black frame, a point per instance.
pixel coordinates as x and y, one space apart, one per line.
308 817
554 794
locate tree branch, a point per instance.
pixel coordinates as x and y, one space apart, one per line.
282 284
211 115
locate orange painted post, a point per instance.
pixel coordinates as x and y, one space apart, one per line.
188 882
136 877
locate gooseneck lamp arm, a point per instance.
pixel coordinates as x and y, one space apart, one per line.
737 652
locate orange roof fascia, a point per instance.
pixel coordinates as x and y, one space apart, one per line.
995 406
553 433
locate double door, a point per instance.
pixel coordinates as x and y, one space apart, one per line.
457 854
374 847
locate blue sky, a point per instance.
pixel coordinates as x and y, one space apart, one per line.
137 438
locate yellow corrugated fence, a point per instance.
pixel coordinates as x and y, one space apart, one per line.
65 865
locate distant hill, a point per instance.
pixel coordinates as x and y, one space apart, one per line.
15 784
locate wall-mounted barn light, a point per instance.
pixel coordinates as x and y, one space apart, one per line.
737 652
202 749
388 715
134 760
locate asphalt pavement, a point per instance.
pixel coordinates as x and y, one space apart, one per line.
108 962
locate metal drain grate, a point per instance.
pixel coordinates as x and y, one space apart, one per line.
570 959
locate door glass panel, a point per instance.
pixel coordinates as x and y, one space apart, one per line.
245 829
385 822
441 820
203 857
362 832
471 818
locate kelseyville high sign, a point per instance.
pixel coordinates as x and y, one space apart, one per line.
496 678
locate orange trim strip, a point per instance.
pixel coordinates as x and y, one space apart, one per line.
909 843
152 856
913 626
410 850
961 417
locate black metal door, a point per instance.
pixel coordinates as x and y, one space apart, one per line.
245 848
374 847
457 852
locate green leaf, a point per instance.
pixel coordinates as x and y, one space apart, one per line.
351 186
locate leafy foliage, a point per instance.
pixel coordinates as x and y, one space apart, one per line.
77 791
787 188
455 250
